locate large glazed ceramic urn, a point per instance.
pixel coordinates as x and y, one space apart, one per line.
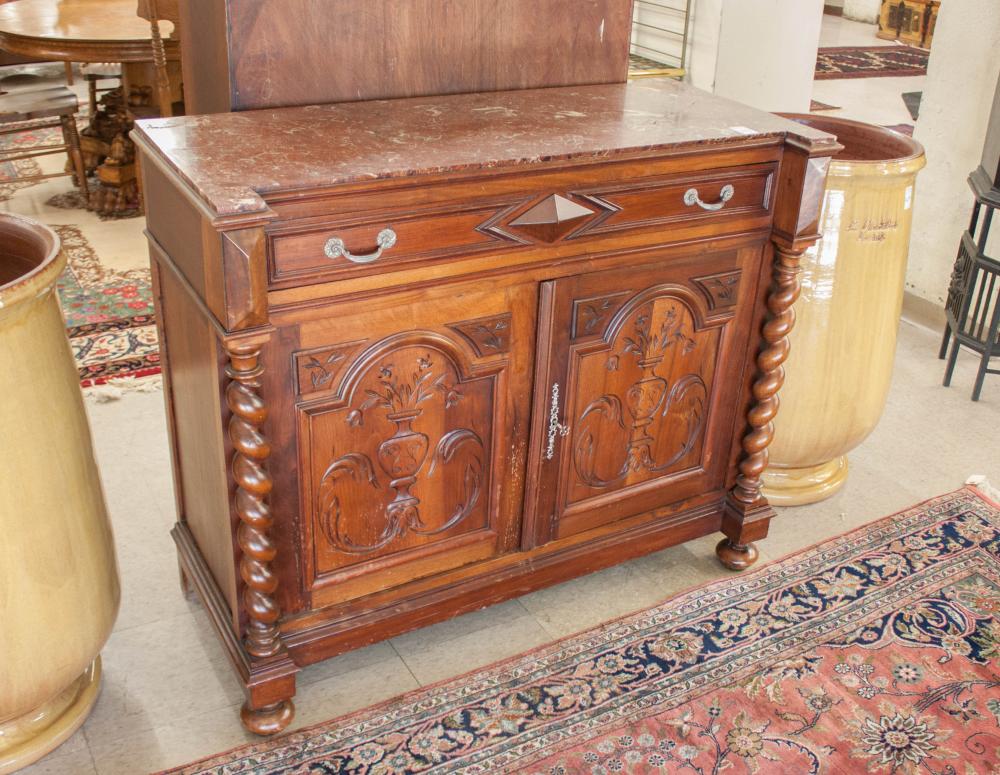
58 577
838 373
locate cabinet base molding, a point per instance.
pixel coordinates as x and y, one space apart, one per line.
339 630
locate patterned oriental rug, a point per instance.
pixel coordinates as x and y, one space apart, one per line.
109 315
875 652
107 304
870 62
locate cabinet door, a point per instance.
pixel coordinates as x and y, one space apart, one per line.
412 425
639 374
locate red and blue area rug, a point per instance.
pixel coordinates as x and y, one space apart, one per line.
878 651
108 311
870 62
109 314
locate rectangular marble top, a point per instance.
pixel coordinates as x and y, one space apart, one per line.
232 160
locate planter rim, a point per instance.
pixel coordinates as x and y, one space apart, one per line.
40 278
907 156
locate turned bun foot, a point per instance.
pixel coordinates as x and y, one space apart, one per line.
269 720
736 556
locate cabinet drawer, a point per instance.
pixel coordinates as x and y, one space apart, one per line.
448 232
719 195
567 211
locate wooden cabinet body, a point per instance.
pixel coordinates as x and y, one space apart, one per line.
541 338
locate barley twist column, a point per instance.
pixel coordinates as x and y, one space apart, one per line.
253 485
251 450
779 324
772 375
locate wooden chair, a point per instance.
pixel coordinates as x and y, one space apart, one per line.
93 77
60 105
156 11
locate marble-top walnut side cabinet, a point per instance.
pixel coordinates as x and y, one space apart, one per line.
426 355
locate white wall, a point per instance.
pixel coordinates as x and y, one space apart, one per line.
961 81
767 52
863 10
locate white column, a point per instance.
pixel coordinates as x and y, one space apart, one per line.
954 112
766 53
703 43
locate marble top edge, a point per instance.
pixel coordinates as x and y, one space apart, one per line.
232 161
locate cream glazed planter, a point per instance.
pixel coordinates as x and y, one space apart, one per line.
59 588
838 374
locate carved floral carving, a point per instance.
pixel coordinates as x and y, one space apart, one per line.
590 316
315 369
488 336
649 406
405 389
721 290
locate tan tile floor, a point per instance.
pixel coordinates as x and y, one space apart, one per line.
169 696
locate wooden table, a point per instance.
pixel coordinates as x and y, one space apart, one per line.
97 31
78 31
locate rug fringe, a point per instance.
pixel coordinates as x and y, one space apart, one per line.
981 483
115 389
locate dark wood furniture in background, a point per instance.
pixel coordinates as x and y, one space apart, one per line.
58 104
425 355
376 49
98 31
155 11
908 21
973 303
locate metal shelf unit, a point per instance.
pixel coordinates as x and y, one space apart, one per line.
659 38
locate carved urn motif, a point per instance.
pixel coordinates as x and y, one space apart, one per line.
401 457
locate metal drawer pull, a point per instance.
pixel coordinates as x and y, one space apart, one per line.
335 248
691 198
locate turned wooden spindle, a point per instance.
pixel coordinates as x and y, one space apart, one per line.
253 485
772 374
733 554
153 12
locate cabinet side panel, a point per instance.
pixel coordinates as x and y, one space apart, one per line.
201 447
175 224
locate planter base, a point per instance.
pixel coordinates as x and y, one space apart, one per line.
26 739
801 486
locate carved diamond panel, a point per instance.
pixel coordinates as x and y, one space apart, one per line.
551 219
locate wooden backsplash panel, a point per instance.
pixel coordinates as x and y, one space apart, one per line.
299 52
